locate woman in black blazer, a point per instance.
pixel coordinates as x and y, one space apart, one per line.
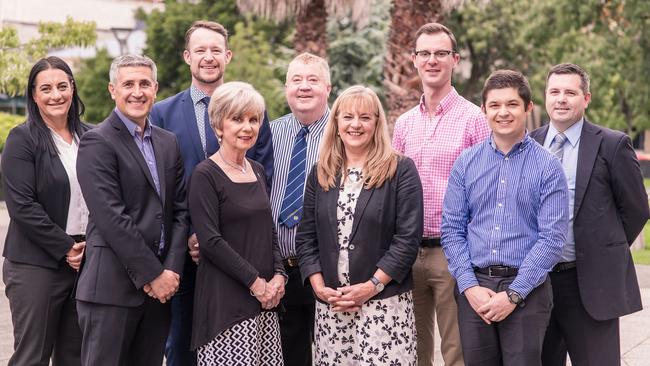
359 236
48 216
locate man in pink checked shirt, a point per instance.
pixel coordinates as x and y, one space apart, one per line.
433 134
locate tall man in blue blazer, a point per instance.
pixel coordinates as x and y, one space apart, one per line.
185 114
131 176
595 282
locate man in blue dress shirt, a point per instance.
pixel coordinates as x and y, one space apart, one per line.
504 224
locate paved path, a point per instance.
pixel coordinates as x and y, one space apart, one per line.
635 328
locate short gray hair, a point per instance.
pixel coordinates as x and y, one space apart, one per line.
232 99
132 61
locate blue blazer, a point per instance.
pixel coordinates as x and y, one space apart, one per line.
176 114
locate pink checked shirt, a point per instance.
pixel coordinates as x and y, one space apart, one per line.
434 143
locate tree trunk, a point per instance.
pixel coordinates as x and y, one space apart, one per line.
400 76
311 29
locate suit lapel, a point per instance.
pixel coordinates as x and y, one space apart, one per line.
590 140
127 140
331 198
362 202
158 149
190 124
539 134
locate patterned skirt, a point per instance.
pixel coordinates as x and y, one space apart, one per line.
382 332
252 342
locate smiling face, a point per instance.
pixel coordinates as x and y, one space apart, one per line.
434 73
565 100
53 95
134 92
356 124
307 89
506 114
207 56
239 132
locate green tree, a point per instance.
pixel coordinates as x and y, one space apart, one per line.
16 59
92 84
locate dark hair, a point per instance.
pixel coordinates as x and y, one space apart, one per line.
39 130
434 28
213 26
502 79
571 69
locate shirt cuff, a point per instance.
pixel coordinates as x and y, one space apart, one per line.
466 280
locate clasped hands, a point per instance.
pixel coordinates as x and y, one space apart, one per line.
268 293
75 254
489 305
164 286
346 298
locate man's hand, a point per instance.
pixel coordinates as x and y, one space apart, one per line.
193 246
354 296
75 254
497 308
477 297
164 286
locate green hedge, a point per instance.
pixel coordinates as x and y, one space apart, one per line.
7 122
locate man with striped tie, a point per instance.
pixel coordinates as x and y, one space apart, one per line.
296 139
504 223
595 282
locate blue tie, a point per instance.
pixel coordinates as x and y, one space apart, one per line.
291 210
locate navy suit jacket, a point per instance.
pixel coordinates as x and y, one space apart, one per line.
610 209
176 114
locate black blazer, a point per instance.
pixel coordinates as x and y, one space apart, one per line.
611 208
37 193
126 212
386 232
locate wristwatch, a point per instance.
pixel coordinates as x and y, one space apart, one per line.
515 298
379 287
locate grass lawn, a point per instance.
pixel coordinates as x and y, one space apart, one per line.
643 256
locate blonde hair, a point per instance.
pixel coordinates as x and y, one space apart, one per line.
307 58
381 162
235 98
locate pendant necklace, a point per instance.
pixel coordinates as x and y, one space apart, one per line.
236 166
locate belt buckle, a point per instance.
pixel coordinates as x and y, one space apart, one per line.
292 261
490 271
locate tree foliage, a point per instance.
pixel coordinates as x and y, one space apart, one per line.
92 84
16 59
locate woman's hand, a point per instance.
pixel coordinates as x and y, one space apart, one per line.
326 294
278 282
264 293
354 296
75 254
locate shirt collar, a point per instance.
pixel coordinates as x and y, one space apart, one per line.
315 127
445 104
516 148
132 126
196 94
572 133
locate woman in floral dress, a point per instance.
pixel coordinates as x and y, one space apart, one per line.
359 237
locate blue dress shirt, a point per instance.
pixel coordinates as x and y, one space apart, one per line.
509 210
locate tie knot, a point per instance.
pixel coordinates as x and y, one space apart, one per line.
303 132
559 139
206 100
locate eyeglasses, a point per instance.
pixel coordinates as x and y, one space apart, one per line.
439 55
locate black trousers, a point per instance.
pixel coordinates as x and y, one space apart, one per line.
588 341
297 320
43 314
514 341
123 336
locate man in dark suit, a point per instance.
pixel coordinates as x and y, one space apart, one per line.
185 114
131 175
595 282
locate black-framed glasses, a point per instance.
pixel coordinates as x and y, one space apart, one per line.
439 55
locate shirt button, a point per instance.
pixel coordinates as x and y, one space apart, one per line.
500 204
496 228
507 158
351 247
503 180
494 251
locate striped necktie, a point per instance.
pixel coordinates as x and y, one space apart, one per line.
557 146
291 210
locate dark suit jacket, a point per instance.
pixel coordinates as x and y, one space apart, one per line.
611 208
386 232
126 212
176 114
37 193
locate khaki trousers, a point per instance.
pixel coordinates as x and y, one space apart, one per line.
433 295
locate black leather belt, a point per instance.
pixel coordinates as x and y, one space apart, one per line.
564 266
78 238
430 242
290 262
498 271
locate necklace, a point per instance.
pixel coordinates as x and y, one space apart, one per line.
236 166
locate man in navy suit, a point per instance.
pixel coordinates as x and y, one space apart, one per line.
185 114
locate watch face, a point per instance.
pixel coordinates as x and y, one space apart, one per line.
514 297
379 287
